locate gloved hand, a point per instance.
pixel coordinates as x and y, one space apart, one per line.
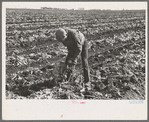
70 68
71 62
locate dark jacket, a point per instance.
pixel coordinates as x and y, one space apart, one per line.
74 42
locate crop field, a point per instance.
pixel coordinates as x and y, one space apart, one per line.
34 57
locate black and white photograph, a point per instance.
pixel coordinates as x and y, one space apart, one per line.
75 53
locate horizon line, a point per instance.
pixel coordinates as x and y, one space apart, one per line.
83 9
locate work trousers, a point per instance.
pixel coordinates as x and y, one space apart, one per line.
84 58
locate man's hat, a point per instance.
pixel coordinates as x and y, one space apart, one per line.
60 33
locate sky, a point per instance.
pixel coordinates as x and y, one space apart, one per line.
76 5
